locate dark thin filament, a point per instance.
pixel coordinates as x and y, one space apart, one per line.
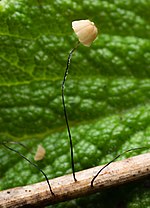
65 111
36 166
13 142
137 148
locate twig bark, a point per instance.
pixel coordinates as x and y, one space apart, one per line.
64 188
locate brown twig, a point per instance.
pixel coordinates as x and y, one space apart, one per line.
64 188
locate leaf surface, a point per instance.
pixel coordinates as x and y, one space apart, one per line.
107 90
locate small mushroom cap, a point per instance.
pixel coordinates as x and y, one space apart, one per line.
85 30
40 153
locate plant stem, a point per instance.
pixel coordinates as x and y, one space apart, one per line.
37 195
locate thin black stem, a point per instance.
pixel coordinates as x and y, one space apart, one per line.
13 142
65 111
137 148
36 166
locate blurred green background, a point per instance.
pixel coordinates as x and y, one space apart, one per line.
107 91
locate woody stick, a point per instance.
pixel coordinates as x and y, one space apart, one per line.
64 188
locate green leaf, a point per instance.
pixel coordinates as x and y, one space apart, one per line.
107 90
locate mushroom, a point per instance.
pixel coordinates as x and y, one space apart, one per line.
85 30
